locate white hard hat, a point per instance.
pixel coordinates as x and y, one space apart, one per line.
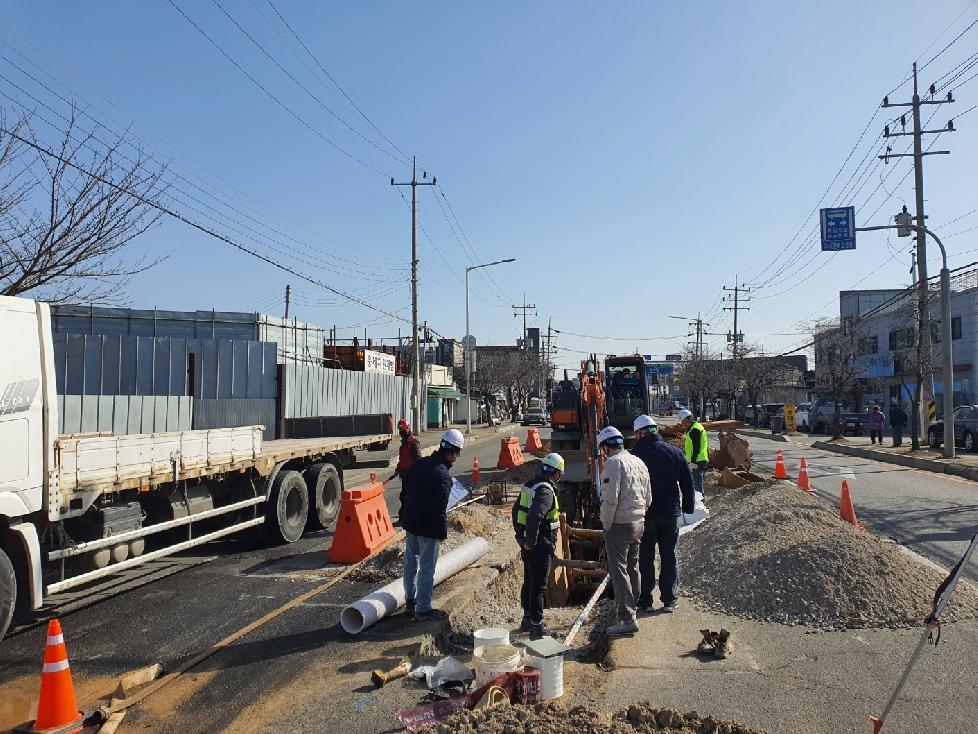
643 421
453 437
684 414
555 461
610 435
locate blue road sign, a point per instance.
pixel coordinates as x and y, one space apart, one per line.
838 229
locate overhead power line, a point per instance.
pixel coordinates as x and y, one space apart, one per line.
206 230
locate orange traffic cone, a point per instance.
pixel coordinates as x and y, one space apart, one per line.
57 708
475 471
846 510
803 482
779 472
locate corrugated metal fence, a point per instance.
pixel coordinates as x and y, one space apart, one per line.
310 390
124 414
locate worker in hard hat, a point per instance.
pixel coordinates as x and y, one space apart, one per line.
672 495
409 450
536 521
424 515
696 447
626 495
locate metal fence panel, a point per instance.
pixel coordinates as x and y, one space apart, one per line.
311 390
124 414
235 413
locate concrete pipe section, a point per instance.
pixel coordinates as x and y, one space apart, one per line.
388 599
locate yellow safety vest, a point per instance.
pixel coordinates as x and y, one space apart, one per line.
704 454
526 498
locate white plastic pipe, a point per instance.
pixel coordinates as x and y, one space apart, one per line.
388 599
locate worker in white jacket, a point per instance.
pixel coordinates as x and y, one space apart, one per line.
626 495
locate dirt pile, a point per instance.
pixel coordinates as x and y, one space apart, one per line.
551 718
769 551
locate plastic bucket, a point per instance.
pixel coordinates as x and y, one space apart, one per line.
489 636
493 660
551 675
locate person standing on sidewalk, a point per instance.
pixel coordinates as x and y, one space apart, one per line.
876 422
898 422
424 515
536 521
671 479
626 495
696 447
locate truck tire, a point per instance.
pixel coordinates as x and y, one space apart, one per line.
8 592
287 508
325 488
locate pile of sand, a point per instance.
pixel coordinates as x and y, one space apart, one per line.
769 551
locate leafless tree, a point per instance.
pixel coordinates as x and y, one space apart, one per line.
757 373
836 366
512 371
68 211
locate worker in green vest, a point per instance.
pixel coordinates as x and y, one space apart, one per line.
696 447
536 521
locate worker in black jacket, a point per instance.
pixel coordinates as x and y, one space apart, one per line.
536 520
424 516
671 478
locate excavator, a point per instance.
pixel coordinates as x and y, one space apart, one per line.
613 396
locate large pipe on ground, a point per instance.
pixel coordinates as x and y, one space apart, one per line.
388 599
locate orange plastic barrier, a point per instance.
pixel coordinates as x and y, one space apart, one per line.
846 510
364 524
803 481
779 471
57 708
509 453
533 442
475 471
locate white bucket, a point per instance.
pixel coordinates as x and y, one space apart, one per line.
493 660
551 675
489 636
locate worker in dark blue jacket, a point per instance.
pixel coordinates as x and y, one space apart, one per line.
671 479
424 516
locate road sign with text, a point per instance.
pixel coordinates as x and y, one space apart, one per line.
838 229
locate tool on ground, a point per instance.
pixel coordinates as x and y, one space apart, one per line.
381 678
803 481
846 509
779 470
941 597
475 471
57 708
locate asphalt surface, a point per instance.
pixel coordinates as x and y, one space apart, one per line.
174 619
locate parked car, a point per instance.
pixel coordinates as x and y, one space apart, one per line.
822 414
965 429
535 417
801 416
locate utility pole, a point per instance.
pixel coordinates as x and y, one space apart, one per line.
288 300
924 376
524 308
415 351
737 337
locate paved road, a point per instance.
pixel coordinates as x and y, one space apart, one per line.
934 515
175 618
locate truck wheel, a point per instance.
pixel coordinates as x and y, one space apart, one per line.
8 592
287 508
325 487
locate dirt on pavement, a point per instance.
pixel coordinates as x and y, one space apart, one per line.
772 552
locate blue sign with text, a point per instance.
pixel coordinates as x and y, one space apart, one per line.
838 229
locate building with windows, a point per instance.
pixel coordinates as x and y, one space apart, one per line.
883 329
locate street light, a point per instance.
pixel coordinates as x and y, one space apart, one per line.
948 367
465 344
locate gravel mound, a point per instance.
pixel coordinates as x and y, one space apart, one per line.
551 718
771 552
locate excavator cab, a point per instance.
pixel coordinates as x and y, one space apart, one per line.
627 392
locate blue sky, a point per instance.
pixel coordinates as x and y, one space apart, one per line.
635 157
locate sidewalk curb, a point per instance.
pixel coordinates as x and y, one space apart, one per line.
914 462
754 433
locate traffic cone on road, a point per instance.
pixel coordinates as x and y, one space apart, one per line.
846 510
475 471
779 471
803 482
57 708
